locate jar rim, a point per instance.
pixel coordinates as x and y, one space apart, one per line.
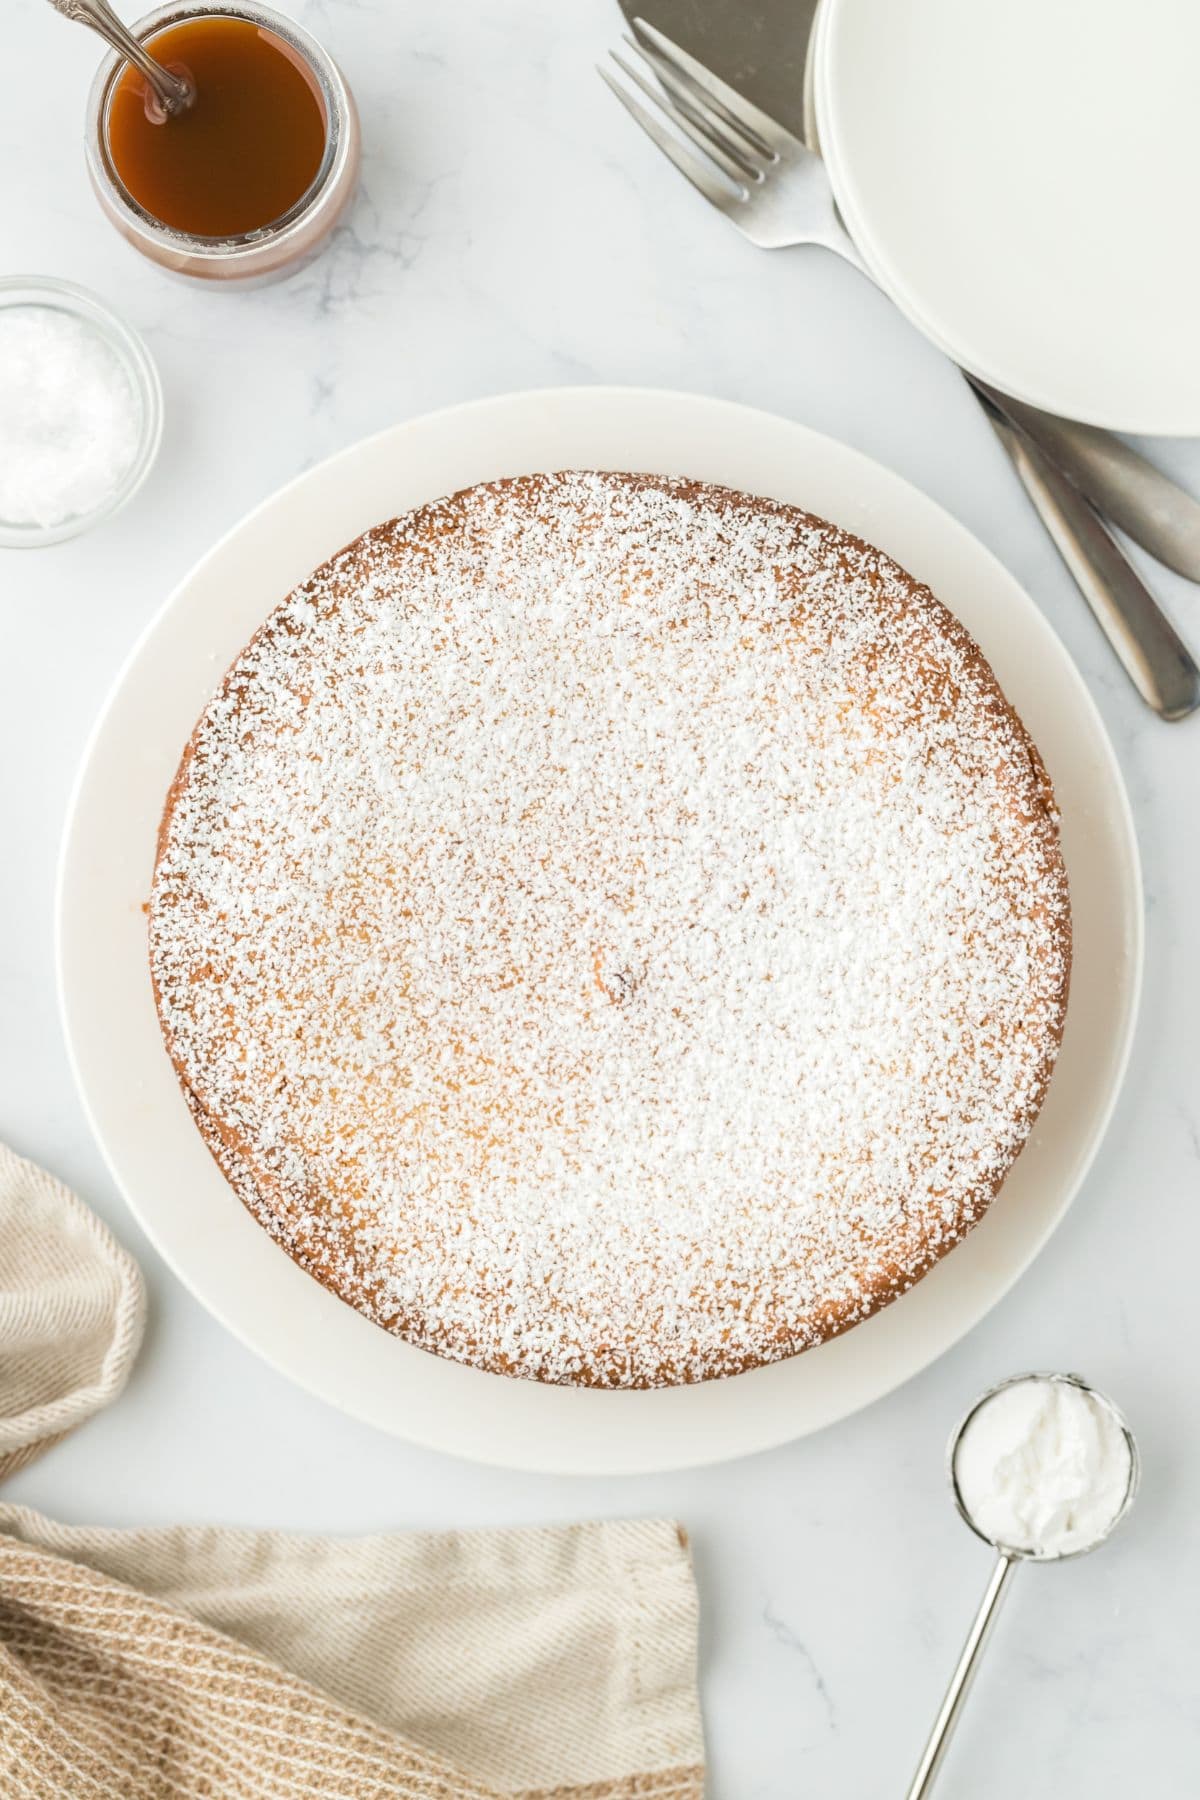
335 101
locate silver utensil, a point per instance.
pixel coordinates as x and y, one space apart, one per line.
760 49
1149 648
1147 505
776 191
1007 1559
173 93
772 187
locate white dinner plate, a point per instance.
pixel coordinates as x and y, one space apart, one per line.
129 1086
1021 177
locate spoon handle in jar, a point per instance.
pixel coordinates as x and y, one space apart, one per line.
174 94
960 1682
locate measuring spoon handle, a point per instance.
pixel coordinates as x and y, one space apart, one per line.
960 1681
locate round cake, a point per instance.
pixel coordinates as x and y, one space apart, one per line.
612 930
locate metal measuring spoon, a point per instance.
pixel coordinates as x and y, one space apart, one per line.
1007 1559
174 93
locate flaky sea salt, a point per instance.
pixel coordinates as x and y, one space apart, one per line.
69 418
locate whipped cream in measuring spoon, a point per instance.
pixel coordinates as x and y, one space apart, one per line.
1042 1468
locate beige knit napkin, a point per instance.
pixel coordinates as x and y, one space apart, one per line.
71 1310
181 1663
251 1665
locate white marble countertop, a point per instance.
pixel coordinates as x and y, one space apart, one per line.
514 230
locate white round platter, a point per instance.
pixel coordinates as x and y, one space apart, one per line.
128 1084
1020 179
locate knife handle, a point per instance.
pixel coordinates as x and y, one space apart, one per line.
1149 648
1147 505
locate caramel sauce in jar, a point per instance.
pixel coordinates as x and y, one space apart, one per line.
248 149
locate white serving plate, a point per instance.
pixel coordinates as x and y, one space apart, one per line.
1020 177
129 1086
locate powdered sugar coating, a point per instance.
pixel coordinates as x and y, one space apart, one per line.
612 930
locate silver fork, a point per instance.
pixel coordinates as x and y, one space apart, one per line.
772 187
776 191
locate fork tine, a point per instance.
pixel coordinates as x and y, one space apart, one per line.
724 140
698 105
717 93
699 172
693 126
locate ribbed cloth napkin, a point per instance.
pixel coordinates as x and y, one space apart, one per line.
186 1663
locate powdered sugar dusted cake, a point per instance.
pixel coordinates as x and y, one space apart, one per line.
612 930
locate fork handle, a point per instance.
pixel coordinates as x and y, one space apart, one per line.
1149 648
838 239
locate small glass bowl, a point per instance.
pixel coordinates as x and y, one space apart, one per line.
274 250
135 359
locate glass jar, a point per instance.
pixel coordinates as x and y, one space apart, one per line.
287 242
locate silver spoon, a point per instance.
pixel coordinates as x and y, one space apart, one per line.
1007 1559
173 93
